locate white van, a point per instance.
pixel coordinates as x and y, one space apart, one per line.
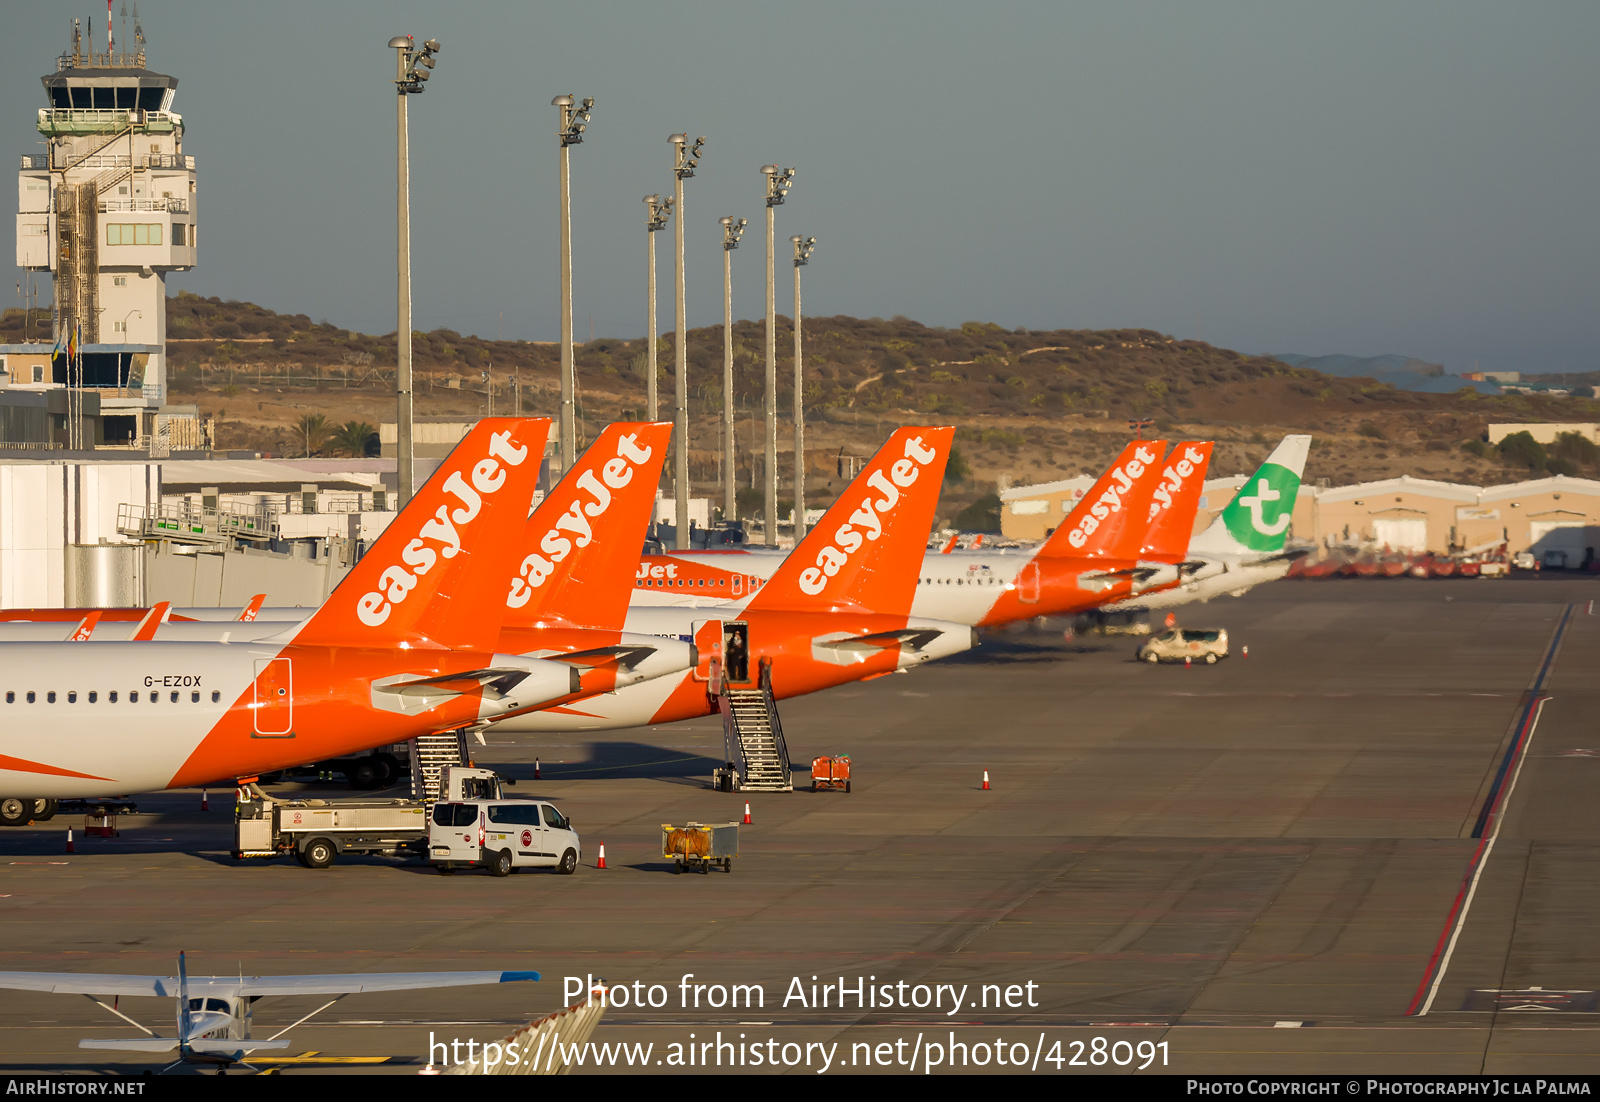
1178 644
501 835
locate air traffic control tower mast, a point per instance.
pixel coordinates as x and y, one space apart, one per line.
108 211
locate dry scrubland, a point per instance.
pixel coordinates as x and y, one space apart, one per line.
1031 404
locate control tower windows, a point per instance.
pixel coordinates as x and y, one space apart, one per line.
133 233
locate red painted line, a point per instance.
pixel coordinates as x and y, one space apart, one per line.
1449 928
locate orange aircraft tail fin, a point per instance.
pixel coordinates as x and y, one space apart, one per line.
865 554
436 577
1176 501
1110 521
250 611
583 540
153 619
85 629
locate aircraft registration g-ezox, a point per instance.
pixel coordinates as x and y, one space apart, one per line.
404 646
837 610
1128 535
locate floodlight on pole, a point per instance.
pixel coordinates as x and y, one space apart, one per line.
802 254
778 181
412 71
686 159
659 211
574 121
732 230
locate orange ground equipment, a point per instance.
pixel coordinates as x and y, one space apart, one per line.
830 773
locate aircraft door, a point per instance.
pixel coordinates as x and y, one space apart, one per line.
1028 584
708 647
274 697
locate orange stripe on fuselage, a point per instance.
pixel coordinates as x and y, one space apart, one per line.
23 765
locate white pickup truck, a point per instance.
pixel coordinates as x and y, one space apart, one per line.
501 836
316 832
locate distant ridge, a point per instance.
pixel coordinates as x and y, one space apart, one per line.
1400 372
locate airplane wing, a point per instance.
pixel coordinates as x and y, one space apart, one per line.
224 1046
910 638
370 981
89 983
495 681
625 655
138 1044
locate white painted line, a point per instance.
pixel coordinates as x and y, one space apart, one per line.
1499 820
1287 1025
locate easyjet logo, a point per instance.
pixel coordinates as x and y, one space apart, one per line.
573 529
1110 500
866 523
1173 478
441 534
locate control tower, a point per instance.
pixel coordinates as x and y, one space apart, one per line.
108 211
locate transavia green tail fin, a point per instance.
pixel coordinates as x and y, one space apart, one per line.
1256 521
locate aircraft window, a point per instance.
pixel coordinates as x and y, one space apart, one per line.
11 697
194 698
217 1004
112 696
215 696
155 698
174 697
133 697
72 698
30 696
50 696
724 581
93 696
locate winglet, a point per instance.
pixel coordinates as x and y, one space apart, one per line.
253 608
1110 521
866 552
85 629
518 977
582 542
1176 501
153 619
436 576
1257 520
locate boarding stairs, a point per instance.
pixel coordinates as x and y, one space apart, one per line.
430 756
753 736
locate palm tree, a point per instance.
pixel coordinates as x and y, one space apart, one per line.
313 429
354 437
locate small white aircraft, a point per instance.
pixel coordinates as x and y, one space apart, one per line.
214 1012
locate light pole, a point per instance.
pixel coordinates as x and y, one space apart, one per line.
412 71
777 187
685 160
802 254
574 121
732 230
659 211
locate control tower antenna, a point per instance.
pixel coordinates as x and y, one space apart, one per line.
138 31
111 38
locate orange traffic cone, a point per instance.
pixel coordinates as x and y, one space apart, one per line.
602 862
536 769
747 813
986 780
205 800
1244 652
1186 661
70 847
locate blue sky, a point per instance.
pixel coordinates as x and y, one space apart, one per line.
1357 177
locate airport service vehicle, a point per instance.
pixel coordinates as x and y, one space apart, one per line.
700 847
1128 535
214 1014
1179 644
502 836
837 611
831 773
1246 545
393 654
318 831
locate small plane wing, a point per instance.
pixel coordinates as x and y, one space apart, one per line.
371 981
138 1044
89 983
223 1045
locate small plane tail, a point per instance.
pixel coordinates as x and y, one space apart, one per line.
1110 521
1176 501
436 576
865 554
1256 521
583 540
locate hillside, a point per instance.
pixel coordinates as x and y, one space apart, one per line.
1032 405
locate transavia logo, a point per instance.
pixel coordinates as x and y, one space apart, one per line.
555 545
396 583
869 516
1259 516
1173 478
1119 481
